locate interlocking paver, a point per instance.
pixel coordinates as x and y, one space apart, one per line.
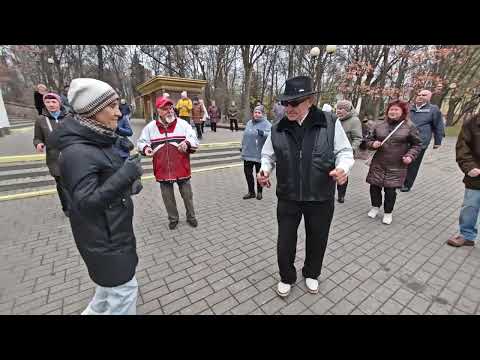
228 264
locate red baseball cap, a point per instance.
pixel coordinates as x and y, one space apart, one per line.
162 101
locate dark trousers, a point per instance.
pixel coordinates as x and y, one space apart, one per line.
213 126
413 169
317 217
342 189
62 194
248 170
203 127
232 121
376 197
168 196
199 130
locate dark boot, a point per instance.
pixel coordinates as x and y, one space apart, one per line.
259 196
192 222
249 196
172 225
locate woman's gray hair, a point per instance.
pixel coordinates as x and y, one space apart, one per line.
345 104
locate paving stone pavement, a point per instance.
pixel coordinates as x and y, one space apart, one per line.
228 264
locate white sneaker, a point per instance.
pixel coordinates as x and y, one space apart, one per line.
312 285
283 289
387 219
374 212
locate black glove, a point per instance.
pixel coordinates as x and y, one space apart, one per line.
136 187
260 132
133 167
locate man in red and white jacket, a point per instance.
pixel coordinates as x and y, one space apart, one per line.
170 141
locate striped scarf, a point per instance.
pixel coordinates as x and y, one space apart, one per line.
96 126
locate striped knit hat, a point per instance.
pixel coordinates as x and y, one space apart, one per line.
52 95
90 96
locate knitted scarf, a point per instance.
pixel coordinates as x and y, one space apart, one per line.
96 126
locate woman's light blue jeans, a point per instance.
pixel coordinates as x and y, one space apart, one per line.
118 300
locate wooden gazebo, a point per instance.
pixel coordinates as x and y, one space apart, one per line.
156 86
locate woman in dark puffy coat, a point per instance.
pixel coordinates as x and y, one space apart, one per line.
100 184
389 165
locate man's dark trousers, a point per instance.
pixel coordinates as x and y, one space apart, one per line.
413 170
318 217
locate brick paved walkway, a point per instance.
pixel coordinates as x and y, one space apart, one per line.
228 264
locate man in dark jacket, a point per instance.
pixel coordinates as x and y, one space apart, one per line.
38 98
311 152
125 109
468 159
53 115
428 119
123 143
64 98
100 185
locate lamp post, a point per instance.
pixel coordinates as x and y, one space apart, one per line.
314 53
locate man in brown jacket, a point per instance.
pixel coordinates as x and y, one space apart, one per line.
53 115
468 159
197 116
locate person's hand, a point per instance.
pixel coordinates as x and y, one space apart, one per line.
263 178
339 175
436 146
376 144
183 147
474 172
407 160
136 187
133 166
40 148
148 151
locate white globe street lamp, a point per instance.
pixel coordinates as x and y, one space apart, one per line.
315 51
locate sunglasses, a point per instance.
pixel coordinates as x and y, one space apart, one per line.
293 103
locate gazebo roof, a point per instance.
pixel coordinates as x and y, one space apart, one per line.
171 83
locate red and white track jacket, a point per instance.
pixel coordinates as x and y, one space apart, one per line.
169 164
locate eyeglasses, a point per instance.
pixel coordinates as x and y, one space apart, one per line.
293 103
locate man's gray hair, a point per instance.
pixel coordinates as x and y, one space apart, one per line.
345 104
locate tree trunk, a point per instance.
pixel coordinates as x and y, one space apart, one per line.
100 61
291 52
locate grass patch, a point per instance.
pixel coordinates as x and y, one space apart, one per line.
453 130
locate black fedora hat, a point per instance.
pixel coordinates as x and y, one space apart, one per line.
297 87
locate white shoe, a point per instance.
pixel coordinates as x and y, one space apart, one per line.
374 212
312 285
387 219
283 289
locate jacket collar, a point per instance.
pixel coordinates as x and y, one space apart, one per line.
63 113
315 117
170 127
424 106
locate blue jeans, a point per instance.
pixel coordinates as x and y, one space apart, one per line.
118 300
469 214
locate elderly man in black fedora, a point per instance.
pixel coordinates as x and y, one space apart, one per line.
311 152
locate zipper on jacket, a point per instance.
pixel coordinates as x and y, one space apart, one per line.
168 155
